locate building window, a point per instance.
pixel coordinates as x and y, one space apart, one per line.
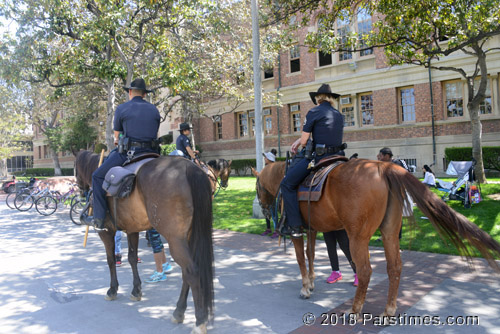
411 163
39 152
347 110
343 32
218 127
407 104
268 69
268 121
366 108
19 163
295 59
364 29
454 98
251 118
295 117
243 124
485 106
325 58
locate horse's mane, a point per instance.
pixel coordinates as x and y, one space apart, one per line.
218 164
85 164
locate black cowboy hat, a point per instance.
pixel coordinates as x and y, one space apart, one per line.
184 126
386 150
324 89
138 84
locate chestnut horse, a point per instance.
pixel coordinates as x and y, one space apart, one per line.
172 195
362 196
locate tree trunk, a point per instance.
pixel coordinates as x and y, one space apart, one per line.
55 159
110 112
477 147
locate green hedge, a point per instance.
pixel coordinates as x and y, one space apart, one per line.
45 172
491 155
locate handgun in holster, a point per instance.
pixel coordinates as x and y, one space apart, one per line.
123 145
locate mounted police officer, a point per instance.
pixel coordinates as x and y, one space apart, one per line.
325 125
135 126
183 142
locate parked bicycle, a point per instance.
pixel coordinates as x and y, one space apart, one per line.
26 198
78 206
49 203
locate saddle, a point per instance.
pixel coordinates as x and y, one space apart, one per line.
119 180
311 188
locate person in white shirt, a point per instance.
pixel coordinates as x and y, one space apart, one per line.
429 178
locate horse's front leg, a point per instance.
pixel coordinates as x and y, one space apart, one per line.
298 244
108 238
133 243
310 251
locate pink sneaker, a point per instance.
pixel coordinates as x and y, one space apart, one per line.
275 235
334 277
266 232
355 280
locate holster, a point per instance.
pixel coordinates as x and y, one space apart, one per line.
320 149
309 150
123 145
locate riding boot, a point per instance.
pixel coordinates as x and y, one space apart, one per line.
98 223
285 229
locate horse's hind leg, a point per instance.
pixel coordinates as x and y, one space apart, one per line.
390 236
360 256
298 244
178 316
310 251
190 279
133 243
108 238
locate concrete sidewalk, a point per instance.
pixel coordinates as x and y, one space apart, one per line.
50 284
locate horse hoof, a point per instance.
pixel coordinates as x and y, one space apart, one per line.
302 296
179 320
135 298
353 316
201 329
112 297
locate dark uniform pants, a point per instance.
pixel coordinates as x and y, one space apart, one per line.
289 186
114 159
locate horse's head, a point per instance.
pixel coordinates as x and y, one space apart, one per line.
224 172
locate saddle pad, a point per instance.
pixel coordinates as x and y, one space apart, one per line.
311 188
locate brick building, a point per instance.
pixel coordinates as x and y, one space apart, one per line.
381 105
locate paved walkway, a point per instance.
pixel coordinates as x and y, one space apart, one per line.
50 284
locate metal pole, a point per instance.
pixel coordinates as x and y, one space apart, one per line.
259 135
432 117
277 106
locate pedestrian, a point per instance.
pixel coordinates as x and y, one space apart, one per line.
331 240
429 177
162 266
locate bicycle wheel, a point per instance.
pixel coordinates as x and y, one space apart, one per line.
23 201
76 210
9 200
46 205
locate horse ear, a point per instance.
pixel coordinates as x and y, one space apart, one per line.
229 162
254 172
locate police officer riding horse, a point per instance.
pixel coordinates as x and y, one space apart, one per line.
323 130
136 125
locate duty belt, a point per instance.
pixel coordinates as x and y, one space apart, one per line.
139 144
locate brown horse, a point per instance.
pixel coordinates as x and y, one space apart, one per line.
172 195
362 196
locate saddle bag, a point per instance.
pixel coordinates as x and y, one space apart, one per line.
119 182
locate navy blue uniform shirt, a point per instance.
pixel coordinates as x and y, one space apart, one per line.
138 119
326 125
181 144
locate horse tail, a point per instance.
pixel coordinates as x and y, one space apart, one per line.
450 224
200 240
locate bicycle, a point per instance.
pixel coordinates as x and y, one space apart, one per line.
26 198
77 207
49 203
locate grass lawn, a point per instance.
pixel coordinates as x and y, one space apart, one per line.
233 211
